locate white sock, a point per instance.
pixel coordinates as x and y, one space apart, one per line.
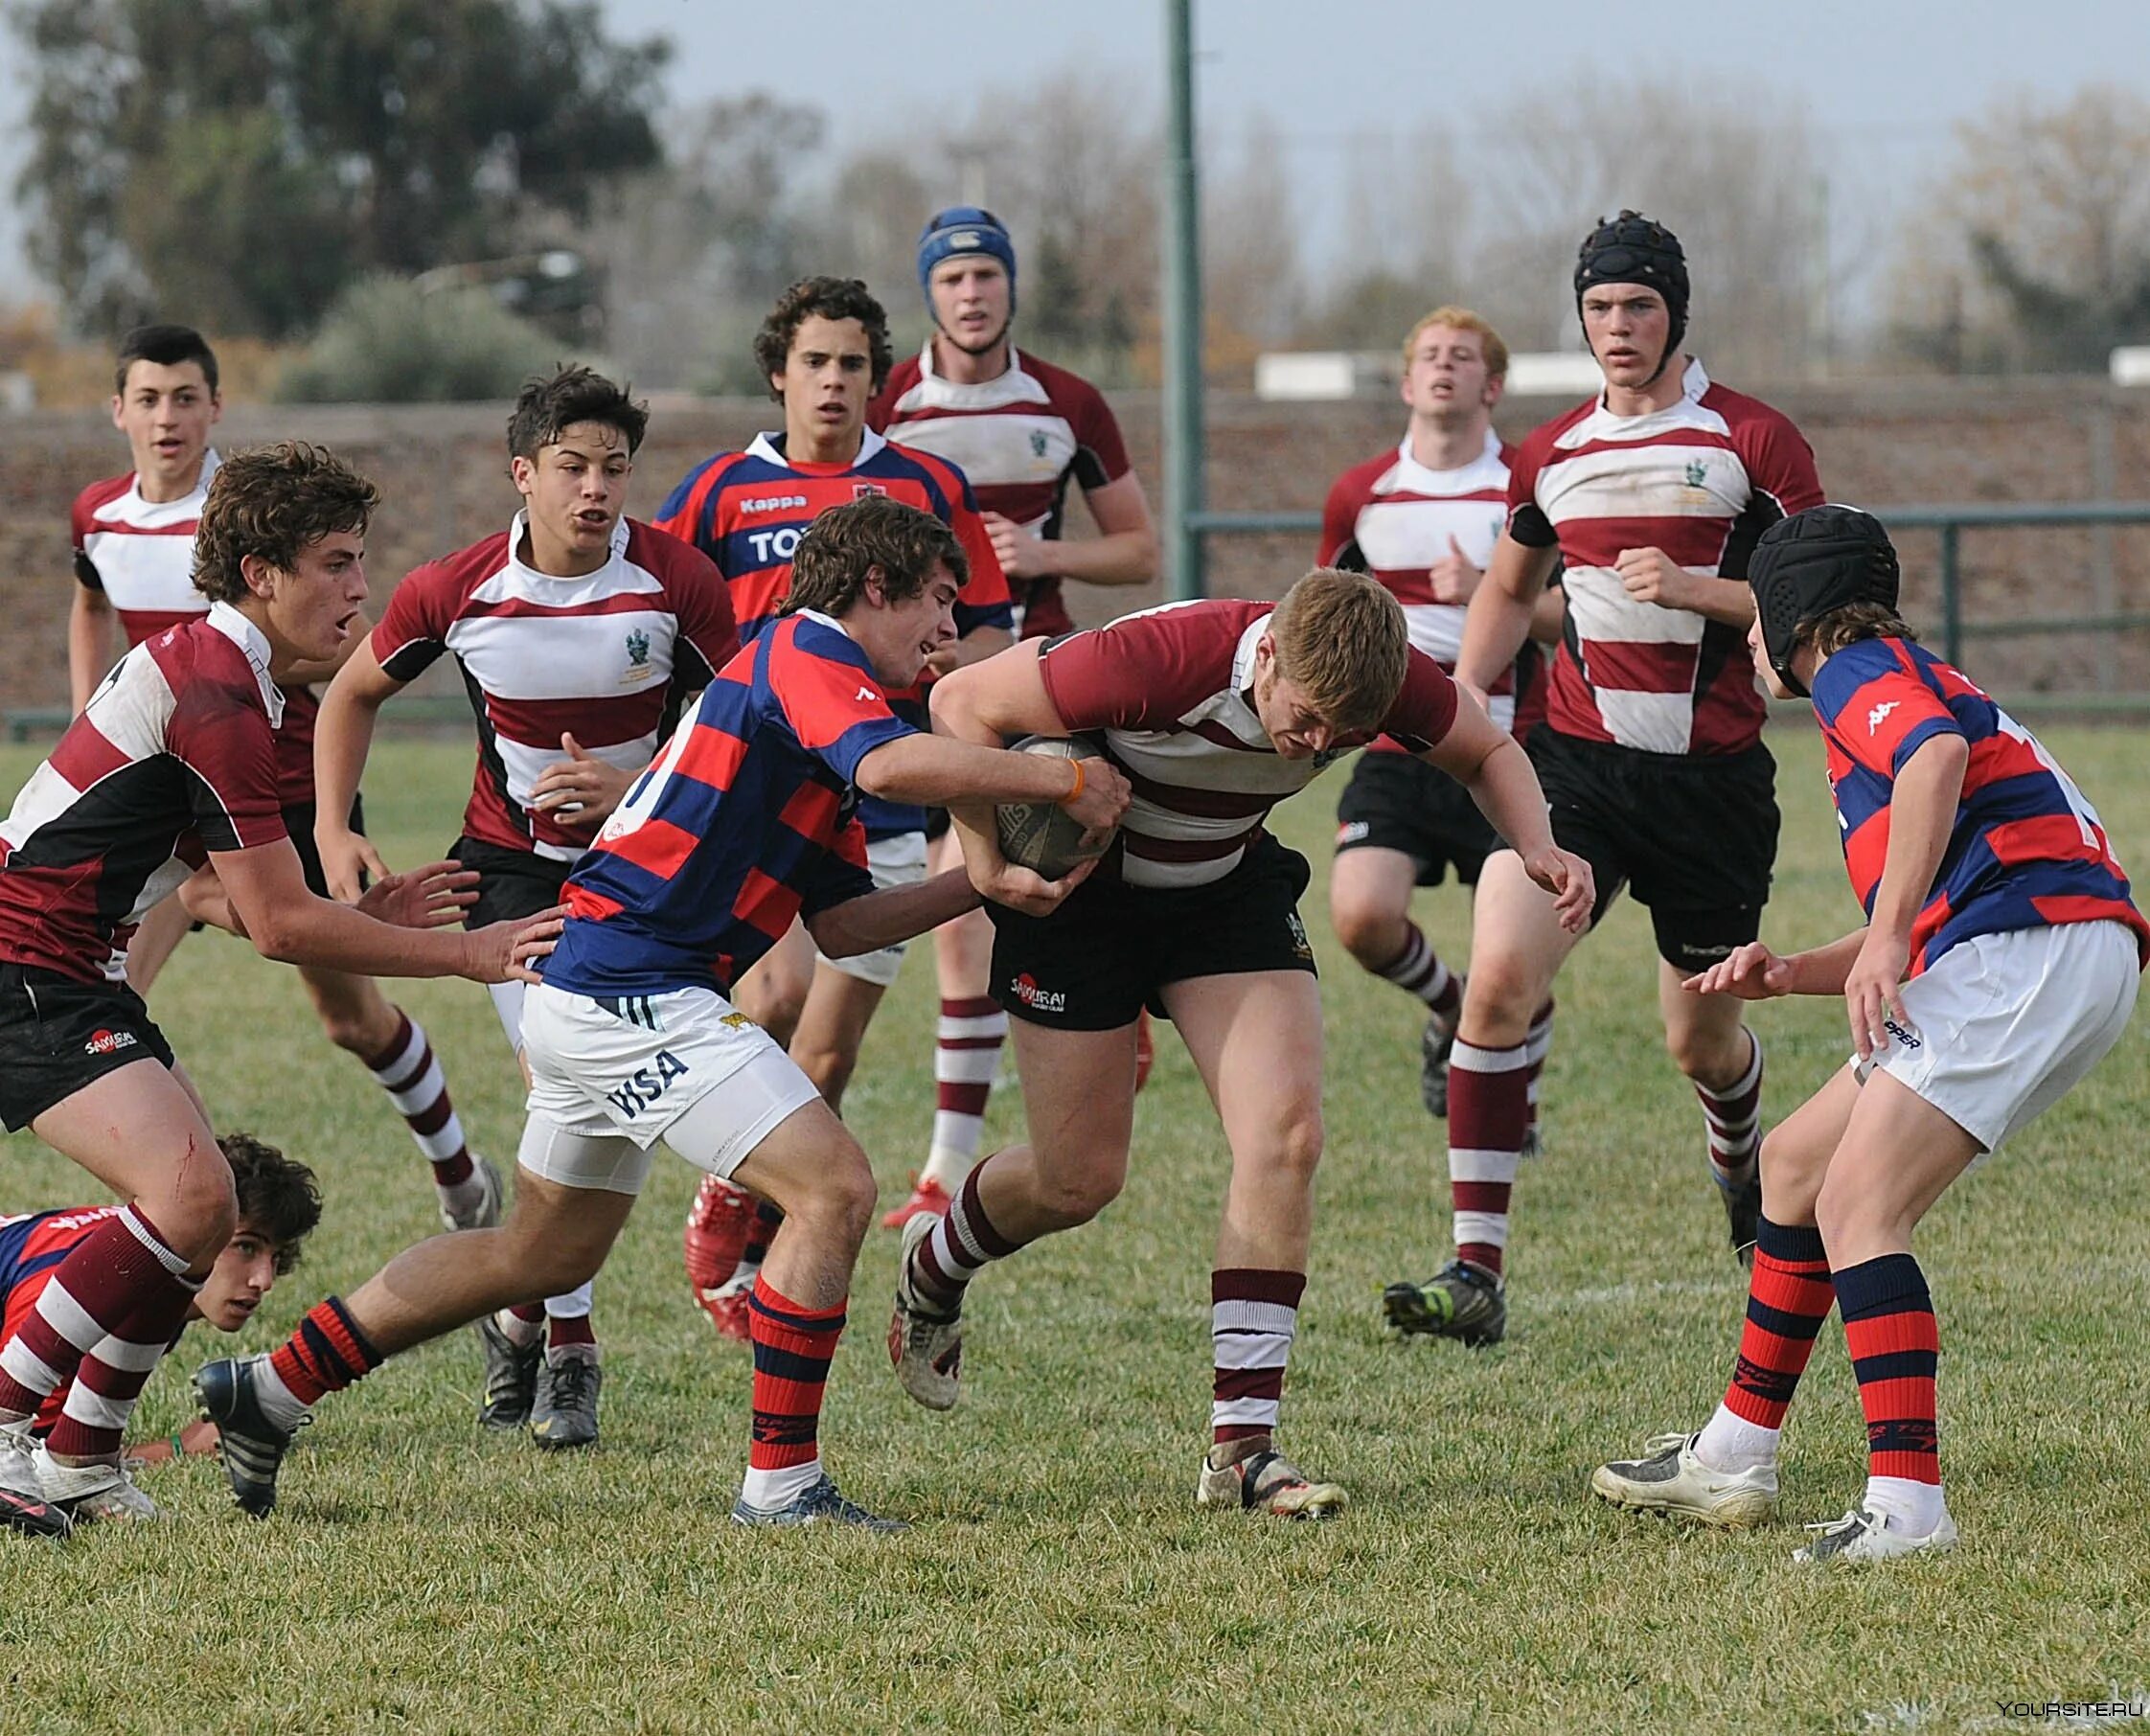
520 1333
766 1489
1918 1506
947 1165
1729 1441
276 1399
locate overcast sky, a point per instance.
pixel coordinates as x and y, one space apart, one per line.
1881 81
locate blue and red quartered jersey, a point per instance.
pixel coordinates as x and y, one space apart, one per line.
746 511
743 822
2027 850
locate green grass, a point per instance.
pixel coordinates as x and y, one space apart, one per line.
420 1577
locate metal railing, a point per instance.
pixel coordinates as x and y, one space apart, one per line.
1949 521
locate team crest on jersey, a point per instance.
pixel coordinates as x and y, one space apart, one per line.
1698 473
638 657
860 490
1037 442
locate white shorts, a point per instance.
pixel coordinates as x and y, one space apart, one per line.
2003 1025
609 1079
897 861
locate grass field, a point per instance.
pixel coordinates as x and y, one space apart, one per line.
416 1576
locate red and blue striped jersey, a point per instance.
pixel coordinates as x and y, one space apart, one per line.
746 511
743 822
31 1247
2027 850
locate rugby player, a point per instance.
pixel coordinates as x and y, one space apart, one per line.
1423 519
133 537
1021 431
1650 496
1219 710
1998 961
824 350
171 766
278 1207
581 634
744 823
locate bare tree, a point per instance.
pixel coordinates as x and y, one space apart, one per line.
1255 293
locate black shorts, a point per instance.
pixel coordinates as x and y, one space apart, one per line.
57 1035
1396 801
1102 956
298 821
1692 835
511 884
936 823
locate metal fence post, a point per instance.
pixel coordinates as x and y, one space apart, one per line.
1952 598
1182 327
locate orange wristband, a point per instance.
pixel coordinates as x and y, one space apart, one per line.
1081 777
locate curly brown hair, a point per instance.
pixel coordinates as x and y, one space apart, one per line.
275 502
279 1198
873 533
822 298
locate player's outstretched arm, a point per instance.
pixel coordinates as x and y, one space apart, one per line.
1498 619
343 735
1489 761
269 903
892 915
432 896
1754 972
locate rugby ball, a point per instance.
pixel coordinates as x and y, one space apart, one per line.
1043 836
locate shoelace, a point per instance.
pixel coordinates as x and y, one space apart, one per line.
1855 1520
571 1382
1657 1442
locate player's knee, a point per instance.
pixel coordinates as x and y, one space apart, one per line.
1842 1205
829 1066
1500 996
350 1030
1076 1195
1367 932
840 1206
1295 1145
1792 1177
203 1209
1708 1056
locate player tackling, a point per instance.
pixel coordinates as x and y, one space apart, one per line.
1999 960
1218 710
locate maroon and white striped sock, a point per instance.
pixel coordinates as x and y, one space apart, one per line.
123 1280
960 1246
409 1072
1537 1045
1253 1317
966 1052
1419 971
1489 1110
1734 1119
521 1325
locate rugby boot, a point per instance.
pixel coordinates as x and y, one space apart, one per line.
1461 1301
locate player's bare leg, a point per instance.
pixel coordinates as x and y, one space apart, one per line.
1255 1039
968 1042
1517 950
1710 1042
774 992
1079 1099
155 940
1370 909
116 1302
832 1025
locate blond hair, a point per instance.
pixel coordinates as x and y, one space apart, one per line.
1341 640
1462 319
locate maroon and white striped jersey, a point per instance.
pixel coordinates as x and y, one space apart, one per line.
1699 480
610 657
140 554
1392 518
174 756
1171 689
1019 438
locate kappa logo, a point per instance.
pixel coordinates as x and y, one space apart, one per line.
1910 1039
772 503
637 1092
1025 989
865 693
110 1042
1876 716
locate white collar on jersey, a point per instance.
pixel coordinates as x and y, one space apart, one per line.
769 449
1242 667
519 527
1684 412
251 640
1013 386
131 508
1410 474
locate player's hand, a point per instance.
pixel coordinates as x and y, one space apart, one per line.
1750 973
504 952
948 658
581 790
1452 578
1021 556
1105 798
345 860
1020 889
1653 576
431 896
1873 990
1568 878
